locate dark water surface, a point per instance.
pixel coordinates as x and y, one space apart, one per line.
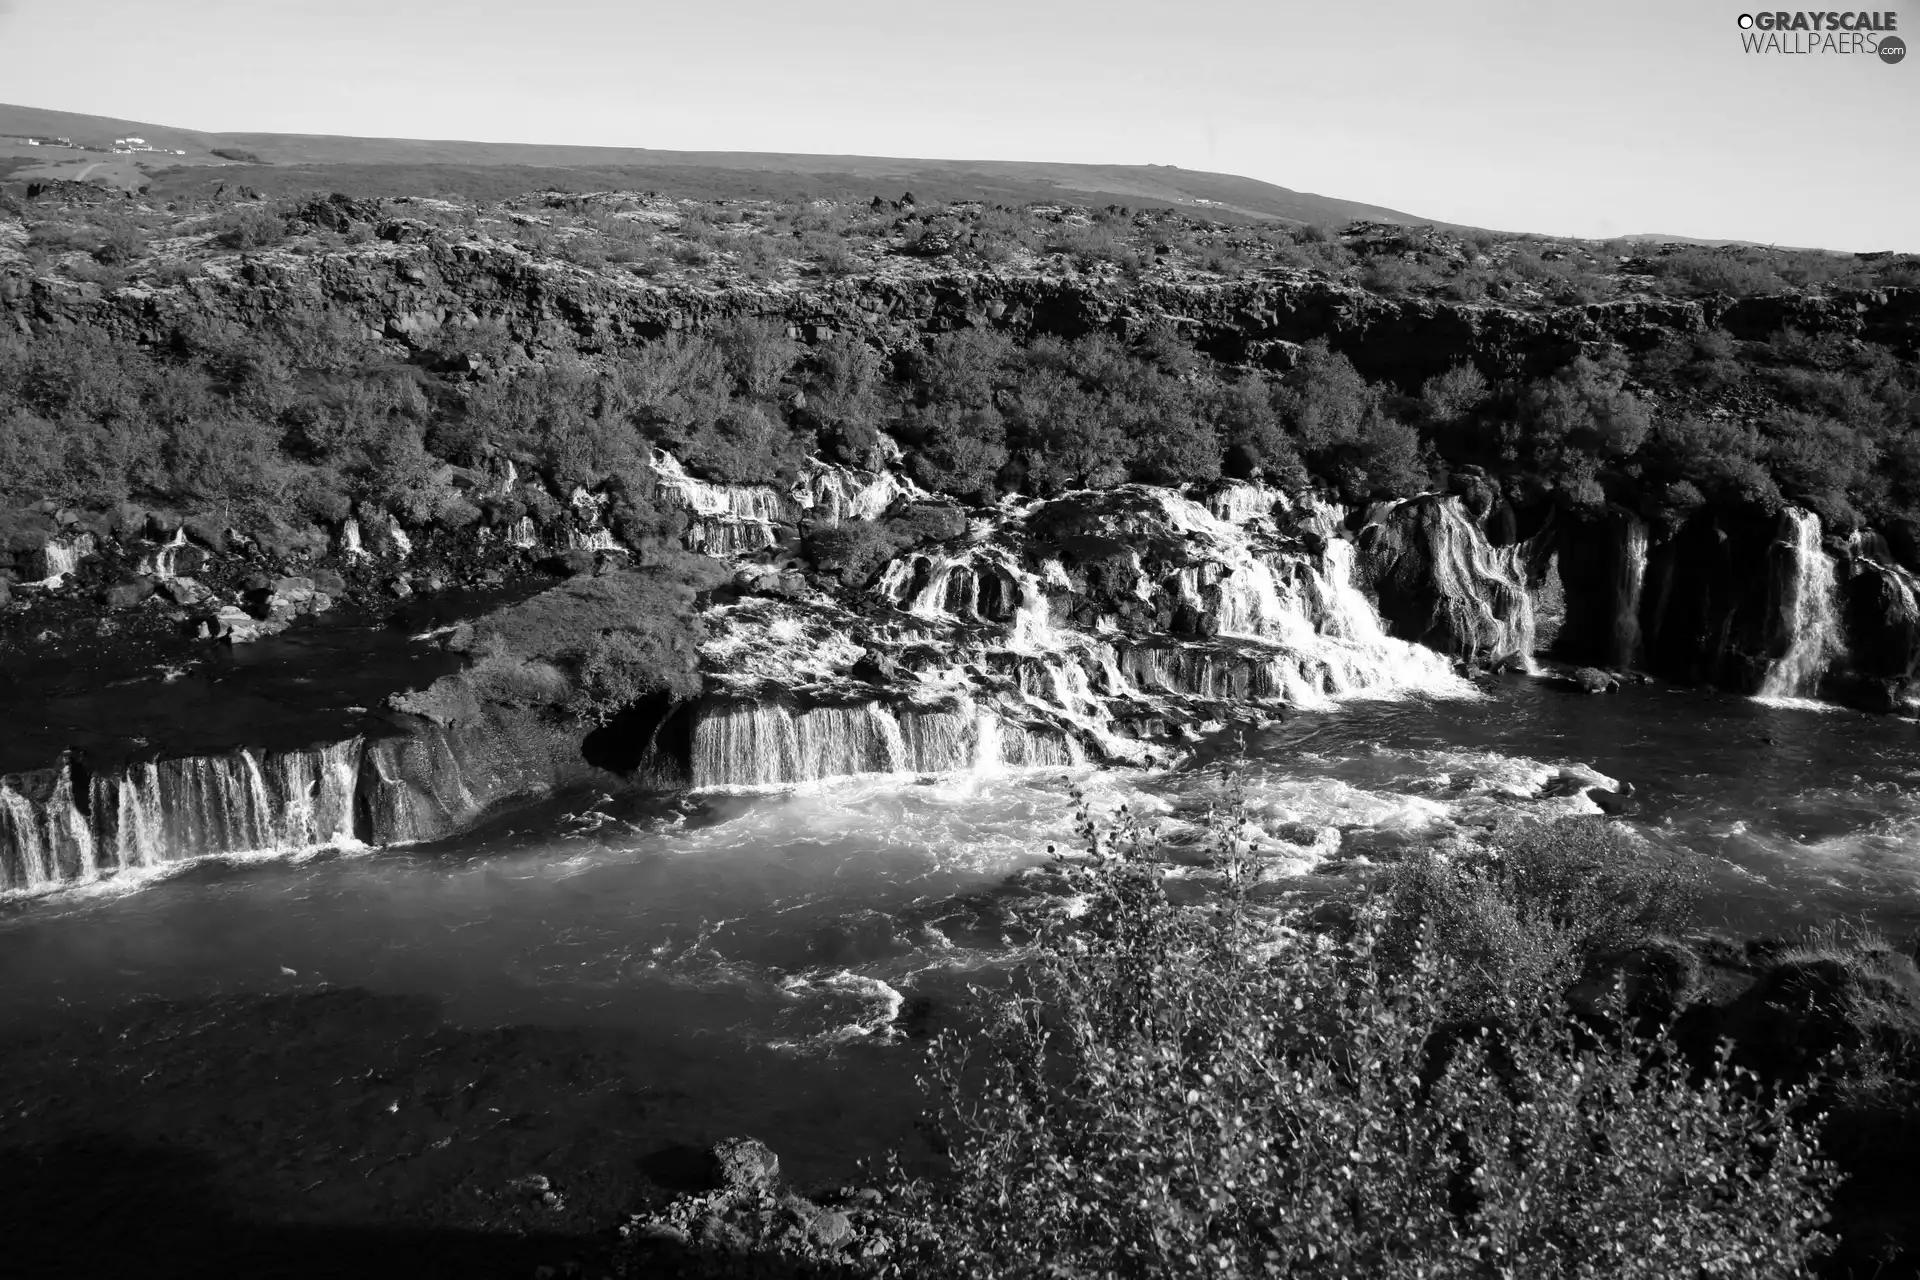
370 1054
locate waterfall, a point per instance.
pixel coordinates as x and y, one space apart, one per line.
1812 615
1630 574
521 534
834 494
754 502
1441 581
728 536
402 544
1240 502
740 519
351 545
26 856
161 561
949 741
57 828
61 556
770 744
592 540
744 745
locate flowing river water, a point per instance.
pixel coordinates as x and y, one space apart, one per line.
368 1060
770 963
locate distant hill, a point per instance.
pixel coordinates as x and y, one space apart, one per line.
391 166
1655 237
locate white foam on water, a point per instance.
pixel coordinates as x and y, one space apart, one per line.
1785 702
876 1005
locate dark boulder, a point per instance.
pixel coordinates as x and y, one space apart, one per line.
207 531
876 668
1819 1000
1615 804
1594 680
124 595
569 564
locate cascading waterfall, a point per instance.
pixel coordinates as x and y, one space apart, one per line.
1630 575
986 621
739 519
1053 633
352 546
833 494
1441 581
1812 614
592 540
1242 502
62 555
162 561
723 519
747 745
1469 560
26 855
57 826
397 538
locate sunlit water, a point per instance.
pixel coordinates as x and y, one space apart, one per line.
729 935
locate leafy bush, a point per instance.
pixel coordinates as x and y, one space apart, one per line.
1741 273
1396 276
1344 429
854 551
1522 922
618 635
1203 1091
250 227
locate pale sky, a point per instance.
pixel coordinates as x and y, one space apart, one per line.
1587 119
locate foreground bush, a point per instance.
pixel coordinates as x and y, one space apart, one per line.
1203 1091
618 637
1522 921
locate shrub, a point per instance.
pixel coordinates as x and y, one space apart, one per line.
251 227
855 550
1396 276
1199 1091
173 271
1450 396
1524 920
1586 407
619 635
121 242
1741 273
1344 429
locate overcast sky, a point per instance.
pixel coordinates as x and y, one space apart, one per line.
1588 119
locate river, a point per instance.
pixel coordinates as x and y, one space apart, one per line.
592 983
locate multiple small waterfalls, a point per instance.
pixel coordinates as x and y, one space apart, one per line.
1111 627
59 825
66 824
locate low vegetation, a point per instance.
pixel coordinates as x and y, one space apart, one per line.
616 636
1457 1074
1210 1090
310 413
